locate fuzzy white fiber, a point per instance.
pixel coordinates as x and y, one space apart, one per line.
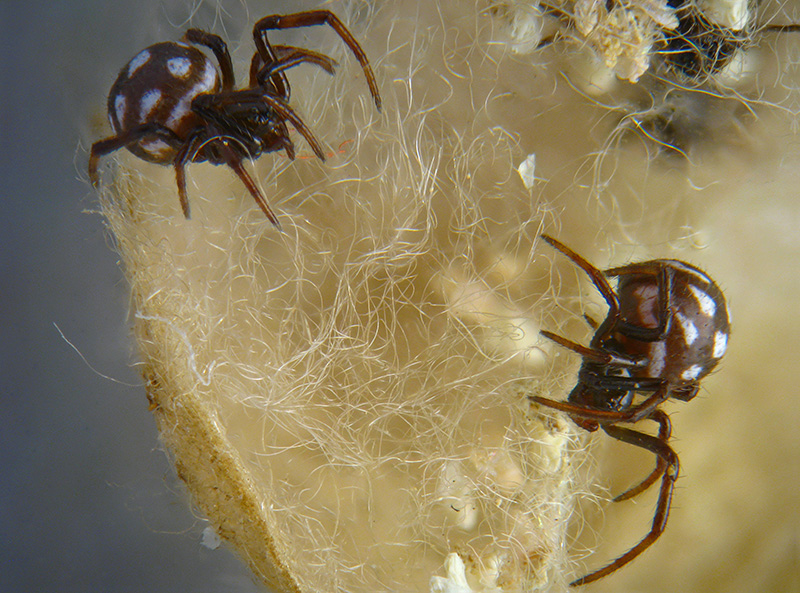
346 398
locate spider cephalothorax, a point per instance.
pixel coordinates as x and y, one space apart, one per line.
667 328
171 104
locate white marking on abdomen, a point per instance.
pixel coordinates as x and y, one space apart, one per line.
720 344
119 109
690 332
180 111
209 78
184 106
179 67
140 60
707 304
156 147
149 102
692 372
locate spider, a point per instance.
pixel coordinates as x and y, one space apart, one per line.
700 47
171 105
667 328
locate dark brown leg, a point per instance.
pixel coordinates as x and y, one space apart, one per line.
664 433
288 57
185 155
216 44
109 145
592 355
597 277
235 163
310 19
608 417
670 474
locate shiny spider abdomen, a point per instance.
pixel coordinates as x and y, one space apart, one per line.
672 315
157 87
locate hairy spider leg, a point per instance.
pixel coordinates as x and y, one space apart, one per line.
597 277
310 19
667 456
220 50
664 433
287 57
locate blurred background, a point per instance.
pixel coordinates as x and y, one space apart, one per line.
88 499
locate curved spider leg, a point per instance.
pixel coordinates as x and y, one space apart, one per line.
597 277
220 49
287 144
109 145
287 113
670 474
595 355
664 282
310 19
234 161
185 155
289 58
664 433
610 417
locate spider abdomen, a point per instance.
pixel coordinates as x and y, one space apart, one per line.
690 335
157 87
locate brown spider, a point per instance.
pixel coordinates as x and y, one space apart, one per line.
667 328
170 104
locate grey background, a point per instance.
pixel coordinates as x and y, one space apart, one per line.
88 500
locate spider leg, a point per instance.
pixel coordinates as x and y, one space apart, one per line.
288 145
664 432
234 161
597 277
109 145
287 113
664 282
610 417
216 44
310 19
593 355
289 57
185 155
671 468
